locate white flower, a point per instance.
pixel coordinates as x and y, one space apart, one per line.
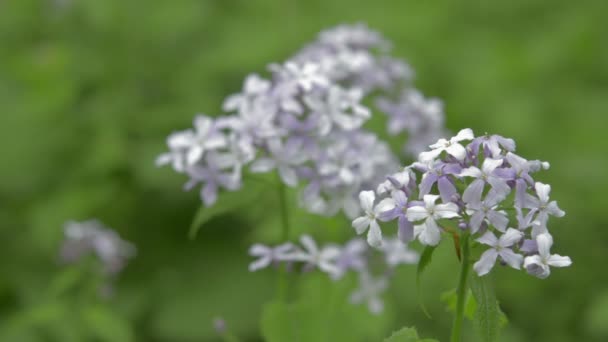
324 258
307 75
396 253
452 146
500 247
488 175
266 255
369 291
428 232
538 265
374 235
542 206
285 158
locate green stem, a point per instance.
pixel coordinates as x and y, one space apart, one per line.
284 210
461 291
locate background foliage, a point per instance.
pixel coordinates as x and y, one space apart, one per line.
89 89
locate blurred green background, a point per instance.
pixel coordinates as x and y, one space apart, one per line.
89 90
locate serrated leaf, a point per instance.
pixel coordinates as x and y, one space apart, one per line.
488 317
425 260
406 335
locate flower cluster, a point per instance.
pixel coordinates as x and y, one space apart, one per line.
305 121
477 185
335 260
92 237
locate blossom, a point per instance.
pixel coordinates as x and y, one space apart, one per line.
487 174
352 257
340 107
266 255
440 173
369 292
542 205
492 145
283 158
486 210
406 230
500 247
323 258
396 252
538 265
452 146
428 232
372 214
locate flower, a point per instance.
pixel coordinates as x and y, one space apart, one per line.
500 247
369 291
361 224
487 174
396 252
486 210
324 258
452 147
538 265
428 232
266 255
283 158
542 206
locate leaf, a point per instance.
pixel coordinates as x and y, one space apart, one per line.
425 260
406 335
450 299
488 317
106 325
227 201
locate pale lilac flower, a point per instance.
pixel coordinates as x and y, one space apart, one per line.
285 158
397 181
440 173
542 205
340 107
406 229
538 265
500 247
92 237
352 257
487 174
451 147
324 258
397 252
492 145
267 255
213 179
369 292
428 232
306 75
372 214
254 86
486 210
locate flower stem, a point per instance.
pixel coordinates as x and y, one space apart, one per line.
461 291
284 212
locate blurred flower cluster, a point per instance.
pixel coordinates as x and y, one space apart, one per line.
336 260
485 189
306 122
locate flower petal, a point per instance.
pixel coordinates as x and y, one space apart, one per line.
360 224
472 193
457 150
557 260
446 210
416 213
510 237
488 238
544 241
464 134
485 262
511 258
374 235
366 198
535 266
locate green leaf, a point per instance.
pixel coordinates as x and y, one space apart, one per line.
488 317
470 306
106 325
406 335
425 260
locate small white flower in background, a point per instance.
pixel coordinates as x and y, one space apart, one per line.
267 255
539 265
372 214
452 146
397 252
369 292
92 237
500 247
254 86
306 76
323 258
428 232
282 157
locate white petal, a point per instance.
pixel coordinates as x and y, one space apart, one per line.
259 250
385 205
429 155
202 125
447 210
430 233
374 235
360 224
557 260
260 263
490 165
485 262
511 258
429 200
543 191
288 175
510 237
535 266
366 198
554 210
470 172
309 244
416 213
194 154
263 165
464 134
457 150
544 242
488 239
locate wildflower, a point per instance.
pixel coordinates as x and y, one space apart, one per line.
500 247
538 265
369 292
267 255
487 174
324 258
542 206
428 232
452 147
486 210
372 214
